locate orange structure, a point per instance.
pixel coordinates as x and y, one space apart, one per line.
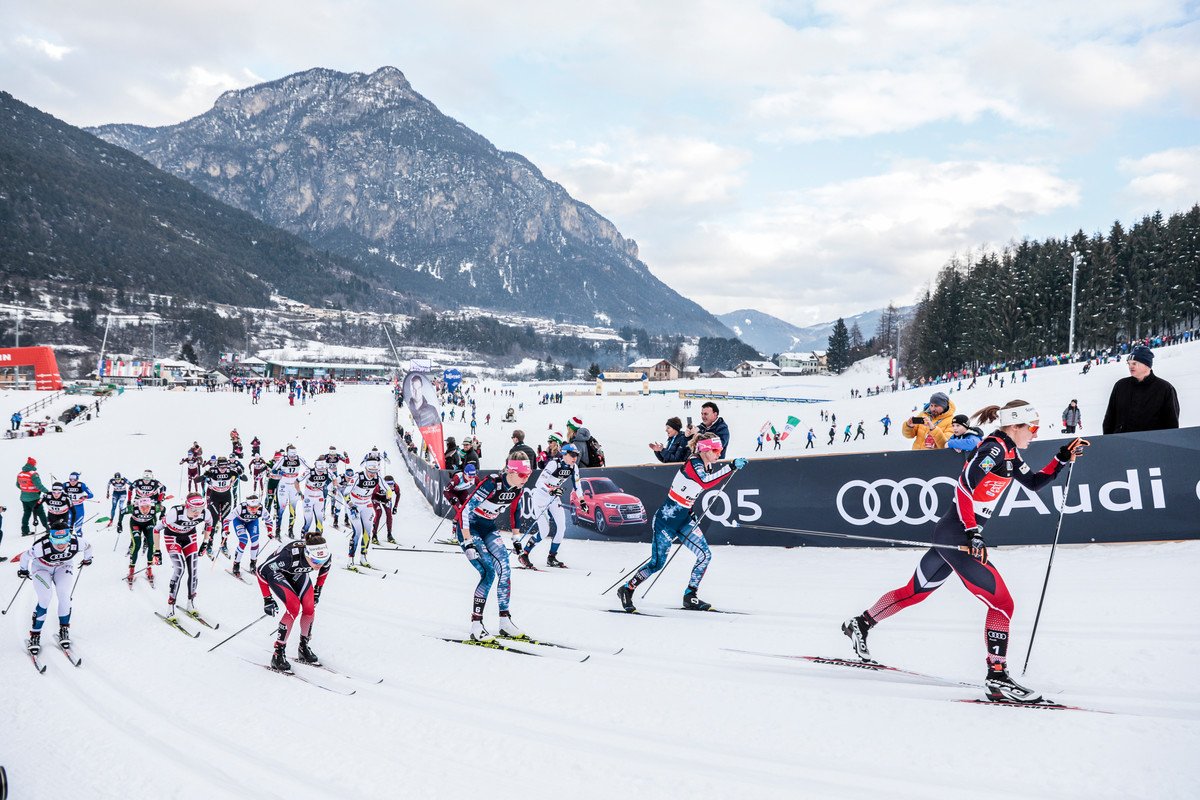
40 360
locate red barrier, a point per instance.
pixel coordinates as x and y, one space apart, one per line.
45 365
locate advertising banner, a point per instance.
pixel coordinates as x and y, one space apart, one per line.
422 402
452 378
1134 487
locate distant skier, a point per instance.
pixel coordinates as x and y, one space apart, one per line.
549 520
79 493
985 477
246 518
193 461
288 575
387 501
117 490
48 563
143 522
674 520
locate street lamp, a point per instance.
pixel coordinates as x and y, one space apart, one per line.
1076 260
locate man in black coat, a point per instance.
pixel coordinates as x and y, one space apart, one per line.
519 446
1143 401
711 422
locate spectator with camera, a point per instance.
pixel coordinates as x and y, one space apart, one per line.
930 428
711 422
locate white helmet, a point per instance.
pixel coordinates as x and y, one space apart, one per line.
320 466
148 475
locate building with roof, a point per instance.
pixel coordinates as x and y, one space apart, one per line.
810 363
755 369
278 368
657 369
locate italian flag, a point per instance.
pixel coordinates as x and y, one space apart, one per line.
788 427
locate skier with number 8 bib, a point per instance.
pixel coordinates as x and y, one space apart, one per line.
674 519
992 467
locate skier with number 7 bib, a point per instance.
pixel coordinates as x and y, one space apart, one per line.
674 519
985 477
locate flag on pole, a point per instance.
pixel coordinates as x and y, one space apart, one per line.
788 427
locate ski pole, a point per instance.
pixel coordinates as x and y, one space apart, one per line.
435 530
78 575
1058 528
14 597
243 630
625 577
881 539
661 571
139 572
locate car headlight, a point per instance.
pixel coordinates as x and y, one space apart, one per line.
611 505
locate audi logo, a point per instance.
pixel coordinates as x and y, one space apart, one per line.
899 501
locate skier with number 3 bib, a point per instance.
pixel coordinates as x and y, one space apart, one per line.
985 477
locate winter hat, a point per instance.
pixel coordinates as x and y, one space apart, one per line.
575 422
939 399
961 419
1143 354
31 461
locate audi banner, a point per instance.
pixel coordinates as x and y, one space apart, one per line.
1133 487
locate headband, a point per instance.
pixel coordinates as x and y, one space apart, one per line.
518 466
708 444
1017 415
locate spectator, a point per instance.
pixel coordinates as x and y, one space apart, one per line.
16 420
676 448
887 423
963 437
711 422
1072 419
31 486
758 448
519 446
811 436
469 454
778 442
832 433
580 436
930 428
454 460
860 433
1143 401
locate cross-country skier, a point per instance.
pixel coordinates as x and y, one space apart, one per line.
49 564
147 486
194 460
245 526
255 447
313 485
287 574
289 467
143 535
57 506
218 483
549 521
342 489
117 491
272 501
79 493
362 511
387 500
984 478
457 492
674 520
496 494
375 457
258 469
179 530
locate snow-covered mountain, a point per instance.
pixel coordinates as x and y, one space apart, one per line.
770 335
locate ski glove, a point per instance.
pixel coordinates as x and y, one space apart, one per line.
316 595
978 546
22 574
583 506
739 463
556 491
87 562
1069 452
470 551
270 606
158 559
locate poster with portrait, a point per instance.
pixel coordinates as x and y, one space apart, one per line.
420 398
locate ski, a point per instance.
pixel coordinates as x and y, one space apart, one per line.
196 615
41 668
238 576
174 623
412 549
1046 705
540 643
339 673
78 662
865 666
718 611
490 644
630 613
302 678
357 571
380 569
451 542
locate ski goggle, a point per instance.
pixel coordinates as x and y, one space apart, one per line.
708 445
1033 428
520 467
317 554
60 538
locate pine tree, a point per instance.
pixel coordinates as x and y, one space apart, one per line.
838 354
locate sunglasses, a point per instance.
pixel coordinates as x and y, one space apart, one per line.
1034 429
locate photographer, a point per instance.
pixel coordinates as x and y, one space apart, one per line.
711 422
676 448
930 428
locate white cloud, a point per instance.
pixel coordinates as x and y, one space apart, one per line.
54 52
852 245
1166 181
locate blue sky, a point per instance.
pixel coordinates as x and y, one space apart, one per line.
806 159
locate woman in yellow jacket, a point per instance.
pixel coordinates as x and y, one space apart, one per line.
930 429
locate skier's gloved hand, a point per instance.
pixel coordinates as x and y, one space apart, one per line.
316 595
740 463
470 550
87 562
22 573
1069 452
978 546
270 606
556 491
158 559
583 506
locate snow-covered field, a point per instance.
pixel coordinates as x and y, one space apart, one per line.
675 714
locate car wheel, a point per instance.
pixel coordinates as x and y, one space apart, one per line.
601 522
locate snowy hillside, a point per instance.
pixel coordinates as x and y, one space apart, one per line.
676 713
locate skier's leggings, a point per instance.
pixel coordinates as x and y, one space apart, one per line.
674 522
47 581
219 506
551 523
297 602
141 538
981 580
361 520
76 518
118 508
247 535
492 565
183 556
382 510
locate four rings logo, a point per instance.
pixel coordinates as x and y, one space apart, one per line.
911 500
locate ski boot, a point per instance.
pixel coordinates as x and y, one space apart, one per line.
129 577
305 654
64 636
253 565
391 540
517 549
34 644
374 540
170 606
150 574
362 561
856 628
552 561
625 595
279 662
523 557
225 548
509 629
237 569
693 603
479 633
1002 687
